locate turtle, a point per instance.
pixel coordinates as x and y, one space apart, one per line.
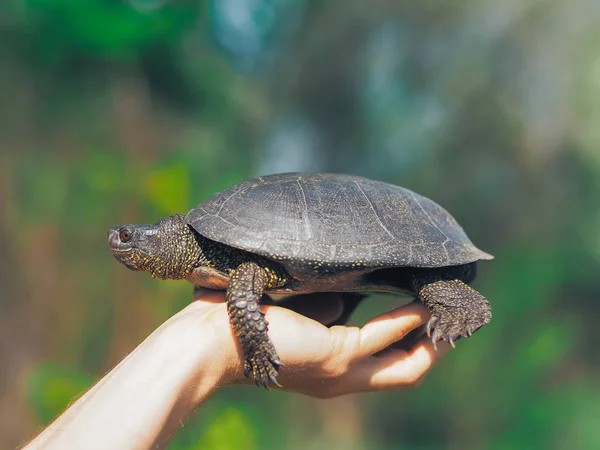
295 234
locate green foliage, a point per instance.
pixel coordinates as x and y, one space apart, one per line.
113 30
51 387
118 111
168 188
225 427
230 429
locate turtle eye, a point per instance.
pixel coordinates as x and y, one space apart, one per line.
125 235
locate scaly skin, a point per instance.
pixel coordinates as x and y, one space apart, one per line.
171 250
246 286
457 310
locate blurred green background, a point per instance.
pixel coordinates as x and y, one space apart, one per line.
124 111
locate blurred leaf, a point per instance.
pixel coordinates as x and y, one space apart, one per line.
111 29
50 388
537 355
104 171
231 429
169 188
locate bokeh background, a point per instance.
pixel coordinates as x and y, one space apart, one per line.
125 111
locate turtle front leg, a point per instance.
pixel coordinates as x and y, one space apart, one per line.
246 286
457 310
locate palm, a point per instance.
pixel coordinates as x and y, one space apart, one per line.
325 362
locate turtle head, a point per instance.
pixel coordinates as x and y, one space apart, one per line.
168 249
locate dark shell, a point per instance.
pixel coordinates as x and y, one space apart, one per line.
334 219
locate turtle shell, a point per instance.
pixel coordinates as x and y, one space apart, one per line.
334 219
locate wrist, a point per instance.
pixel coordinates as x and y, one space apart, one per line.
201 338
142 401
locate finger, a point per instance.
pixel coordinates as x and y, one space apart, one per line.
324 307
384 330
397 368
408 342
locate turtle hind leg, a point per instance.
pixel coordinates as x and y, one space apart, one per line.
457 310
246 286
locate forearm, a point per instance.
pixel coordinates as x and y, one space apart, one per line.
146 398
142 401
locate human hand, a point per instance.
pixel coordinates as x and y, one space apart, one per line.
147 396
326 362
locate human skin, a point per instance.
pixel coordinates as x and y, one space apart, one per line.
143 401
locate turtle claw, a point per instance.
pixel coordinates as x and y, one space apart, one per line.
457 310
451 342
263 365
431 325
264 373
449 324
273 379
